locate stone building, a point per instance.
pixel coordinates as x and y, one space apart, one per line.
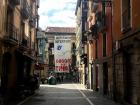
112 47
18 27
126 51
113 39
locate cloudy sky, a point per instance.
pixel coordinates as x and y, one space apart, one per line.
57 13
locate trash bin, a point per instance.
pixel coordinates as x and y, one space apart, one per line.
52 80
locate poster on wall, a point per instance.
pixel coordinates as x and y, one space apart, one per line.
62 53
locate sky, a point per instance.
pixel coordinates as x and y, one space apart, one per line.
57 13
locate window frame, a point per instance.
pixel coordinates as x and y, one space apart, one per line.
125 29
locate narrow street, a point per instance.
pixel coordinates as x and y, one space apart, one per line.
66 94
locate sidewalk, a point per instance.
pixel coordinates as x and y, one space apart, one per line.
95 97
16 101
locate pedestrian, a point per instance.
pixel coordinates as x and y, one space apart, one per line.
58 78
62 78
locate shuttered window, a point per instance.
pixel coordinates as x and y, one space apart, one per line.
126 15
104 45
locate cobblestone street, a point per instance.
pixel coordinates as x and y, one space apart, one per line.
66 94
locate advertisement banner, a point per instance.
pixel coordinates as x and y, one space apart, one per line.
62 53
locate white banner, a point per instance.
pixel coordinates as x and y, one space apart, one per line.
62 53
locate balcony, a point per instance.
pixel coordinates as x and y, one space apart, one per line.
31 52
28 54
33 45
32 22
83 58
100 22
37 3
90 36
14 2
93 32
84 37
25 10
25 42
12 34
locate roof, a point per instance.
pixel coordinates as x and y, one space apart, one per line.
60 29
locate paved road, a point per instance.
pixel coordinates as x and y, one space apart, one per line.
65 94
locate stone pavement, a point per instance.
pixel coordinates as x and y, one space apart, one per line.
66 94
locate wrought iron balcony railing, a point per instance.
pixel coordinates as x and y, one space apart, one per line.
93 32
12 34
100 22
84 37
32 22
37 3
33 45
25 41
26 10
83 58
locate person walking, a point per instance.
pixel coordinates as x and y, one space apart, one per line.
62 78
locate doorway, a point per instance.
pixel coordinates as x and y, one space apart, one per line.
97 78
5 71
130 78
92 76
105 78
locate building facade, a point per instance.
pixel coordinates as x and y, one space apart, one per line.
42 64
51 32
112 48
81 39
126 51
99 46
18 26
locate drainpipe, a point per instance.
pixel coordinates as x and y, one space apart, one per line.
109 3
113 60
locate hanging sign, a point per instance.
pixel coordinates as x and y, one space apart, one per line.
62 53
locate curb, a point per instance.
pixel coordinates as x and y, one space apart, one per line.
26 99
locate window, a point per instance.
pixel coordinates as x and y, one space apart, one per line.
51 59
1 14
40 47
51 45
96 50
126 15
104 45
40 50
